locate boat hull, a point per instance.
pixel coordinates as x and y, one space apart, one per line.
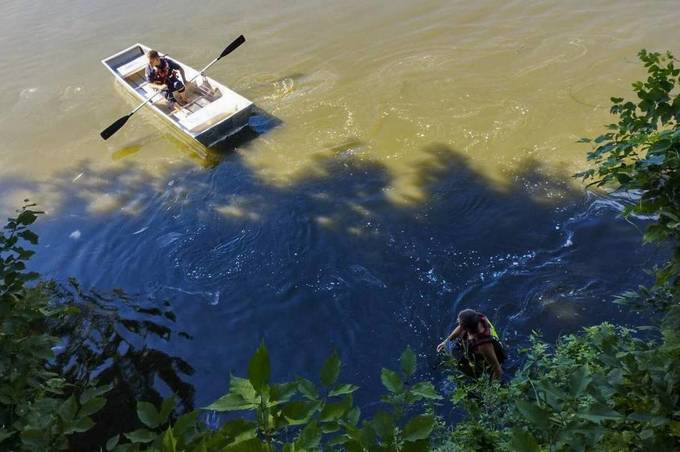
223 114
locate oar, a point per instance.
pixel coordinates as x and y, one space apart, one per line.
120 122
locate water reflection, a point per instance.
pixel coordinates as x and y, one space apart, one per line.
125 342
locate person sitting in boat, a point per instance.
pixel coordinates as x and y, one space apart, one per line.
475 345
161 73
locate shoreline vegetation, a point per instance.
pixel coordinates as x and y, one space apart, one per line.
70 380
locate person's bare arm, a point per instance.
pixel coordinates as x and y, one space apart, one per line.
454 334
488 352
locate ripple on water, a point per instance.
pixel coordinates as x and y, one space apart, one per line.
212 255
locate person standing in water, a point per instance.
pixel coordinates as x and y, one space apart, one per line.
476 338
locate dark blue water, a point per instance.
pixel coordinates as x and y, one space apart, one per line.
330 262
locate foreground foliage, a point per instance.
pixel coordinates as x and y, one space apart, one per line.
296 415
38 408
603 389
641 154
54 340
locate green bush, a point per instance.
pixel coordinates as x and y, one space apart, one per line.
38 408
296 415
641 153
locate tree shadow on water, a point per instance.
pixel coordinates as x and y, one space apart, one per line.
331 260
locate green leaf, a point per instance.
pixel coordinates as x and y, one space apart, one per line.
148 414
623 178
112 442
408 362
309 438
166 408
230 402
252 445
168 442
140 436
335 410
343 390
419 427
579 380
534 414
244 388
259 370
282 392
648 418
90 393
330 370
29 236
338 440
329 427
675 428
307 389
299 412
353 416
646 434
383 424
27 217
92 406
5 434
239 430
81 425
598 414
425 390
185 422
35 439
524 441
391 381
68 409
416 446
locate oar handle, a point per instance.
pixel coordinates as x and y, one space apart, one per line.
144 103
203 70
207 67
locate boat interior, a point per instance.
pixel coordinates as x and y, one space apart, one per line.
207 101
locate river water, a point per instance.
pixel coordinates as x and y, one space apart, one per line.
420 163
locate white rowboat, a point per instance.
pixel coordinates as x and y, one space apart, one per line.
213 111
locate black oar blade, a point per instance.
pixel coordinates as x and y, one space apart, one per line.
113 128
231 47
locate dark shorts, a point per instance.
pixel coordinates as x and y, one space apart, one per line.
469 362
174 85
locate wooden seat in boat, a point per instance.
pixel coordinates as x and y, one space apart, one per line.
136 65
